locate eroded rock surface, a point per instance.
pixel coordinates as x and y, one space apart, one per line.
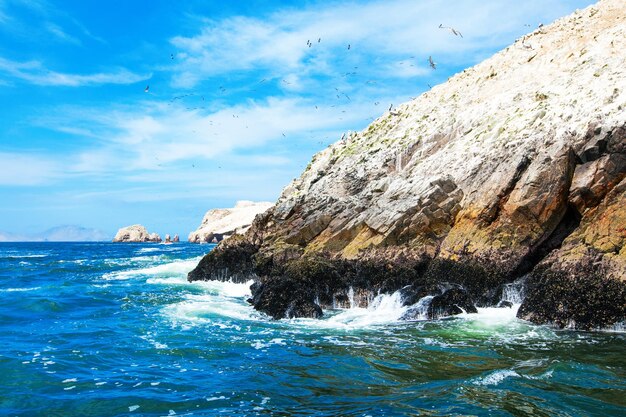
511 167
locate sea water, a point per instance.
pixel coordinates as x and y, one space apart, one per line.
102 329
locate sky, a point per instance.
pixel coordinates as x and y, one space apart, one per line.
122 112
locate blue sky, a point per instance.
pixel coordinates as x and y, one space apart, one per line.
237 104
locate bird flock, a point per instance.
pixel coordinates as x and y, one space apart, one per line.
340 95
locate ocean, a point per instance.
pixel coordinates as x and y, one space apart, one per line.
103 329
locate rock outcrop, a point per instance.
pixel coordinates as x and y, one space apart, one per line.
515 167
219 224
135 233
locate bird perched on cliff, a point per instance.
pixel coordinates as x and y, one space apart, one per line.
451 29
432 63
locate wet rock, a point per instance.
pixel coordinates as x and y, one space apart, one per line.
282 297
505 304
581 296
453 301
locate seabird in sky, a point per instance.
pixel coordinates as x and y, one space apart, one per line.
432 63
451 29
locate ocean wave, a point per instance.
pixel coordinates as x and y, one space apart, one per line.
148 250
19 289
495 378
226 301
171 269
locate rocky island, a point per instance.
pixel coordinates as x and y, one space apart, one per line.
510 173
136 233
219 224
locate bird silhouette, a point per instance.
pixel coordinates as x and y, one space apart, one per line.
432 63
451 29
145 90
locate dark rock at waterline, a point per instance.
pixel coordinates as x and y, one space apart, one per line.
283 297
505 304
581 296
451 302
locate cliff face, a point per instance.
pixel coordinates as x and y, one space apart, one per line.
221 223
135 233
512 168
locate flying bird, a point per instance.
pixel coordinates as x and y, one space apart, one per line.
348 46
319 40
451 29
432 63
145 90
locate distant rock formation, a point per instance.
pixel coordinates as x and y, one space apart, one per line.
136 233
176 238
219 224
514 169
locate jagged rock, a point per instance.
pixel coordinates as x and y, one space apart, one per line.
176 238
509 162
135 233
282 297
453 301
218 224
441 300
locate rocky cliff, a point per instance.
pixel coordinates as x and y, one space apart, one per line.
218 224
512 169
135 233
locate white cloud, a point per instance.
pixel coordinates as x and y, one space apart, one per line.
57 31
380 29
35 73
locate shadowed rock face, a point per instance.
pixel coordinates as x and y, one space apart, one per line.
514 166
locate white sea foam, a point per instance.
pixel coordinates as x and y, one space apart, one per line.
19 289
495 378
225 299
148 250
171 269
384 309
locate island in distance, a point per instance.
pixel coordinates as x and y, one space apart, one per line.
136 233
219 224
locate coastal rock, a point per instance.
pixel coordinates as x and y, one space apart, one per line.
135 233
219 224
512 167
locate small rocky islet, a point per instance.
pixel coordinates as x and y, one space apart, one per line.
512 172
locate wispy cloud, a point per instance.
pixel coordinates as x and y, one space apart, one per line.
377 30
57 31
148 135
27 170
34 72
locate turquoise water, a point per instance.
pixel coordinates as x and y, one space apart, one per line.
100 329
